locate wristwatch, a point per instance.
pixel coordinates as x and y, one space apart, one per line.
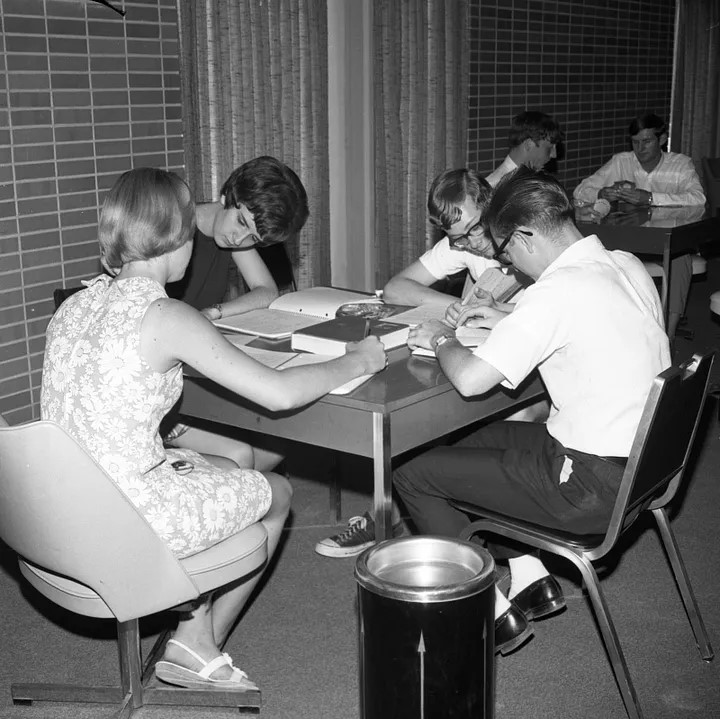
218 307
442 340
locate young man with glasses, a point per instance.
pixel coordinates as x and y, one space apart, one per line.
456 201
261 203
591 324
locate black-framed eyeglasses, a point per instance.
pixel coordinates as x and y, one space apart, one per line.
460 241
500 254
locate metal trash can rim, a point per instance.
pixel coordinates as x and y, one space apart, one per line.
425 569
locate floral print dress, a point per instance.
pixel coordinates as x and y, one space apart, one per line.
97 386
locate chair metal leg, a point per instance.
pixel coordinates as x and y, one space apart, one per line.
130 663
683 582
138 685
335 490
609 636
597 600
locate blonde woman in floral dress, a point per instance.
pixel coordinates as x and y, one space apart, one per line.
113 369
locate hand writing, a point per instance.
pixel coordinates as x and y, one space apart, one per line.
481 316
478 297
423 334
371 352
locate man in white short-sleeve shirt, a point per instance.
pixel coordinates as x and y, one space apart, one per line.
653 178
591 324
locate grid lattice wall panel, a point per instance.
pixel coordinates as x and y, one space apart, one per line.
591 64
84 95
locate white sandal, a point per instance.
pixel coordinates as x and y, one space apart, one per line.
172 673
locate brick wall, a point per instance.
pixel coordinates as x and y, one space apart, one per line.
591 64
84 95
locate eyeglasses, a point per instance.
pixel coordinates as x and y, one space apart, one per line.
461 241
500 254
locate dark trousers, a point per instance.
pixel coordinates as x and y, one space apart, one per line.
512 468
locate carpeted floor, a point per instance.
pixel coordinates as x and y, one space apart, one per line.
298 639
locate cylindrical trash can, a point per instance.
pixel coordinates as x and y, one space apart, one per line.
427 632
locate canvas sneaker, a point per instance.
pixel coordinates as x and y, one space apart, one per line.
359 535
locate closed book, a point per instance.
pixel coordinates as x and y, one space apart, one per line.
331 337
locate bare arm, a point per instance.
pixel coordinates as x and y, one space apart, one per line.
262 287
469 374
174 332
411 286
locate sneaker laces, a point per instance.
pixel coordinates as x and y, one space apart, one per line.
355 525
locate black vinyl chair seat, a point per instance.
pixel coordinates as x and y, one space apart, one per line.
583 542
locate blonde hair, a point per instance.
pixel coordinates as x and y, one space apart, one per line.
147 213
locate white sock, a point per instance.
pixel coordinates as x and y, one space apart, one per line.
502 603
524 571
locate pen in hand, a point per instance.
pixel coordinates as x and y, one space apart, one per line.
367 328
465 300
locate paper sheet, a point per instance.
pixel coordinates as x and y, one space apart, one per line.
306 358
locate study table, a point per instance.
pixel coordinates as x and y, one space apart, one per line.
657 231
408 404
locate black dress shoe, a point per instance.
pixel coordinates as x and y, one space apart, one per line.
511 630
540 599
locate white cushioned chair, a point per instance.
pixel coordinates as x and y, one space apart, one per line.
83 545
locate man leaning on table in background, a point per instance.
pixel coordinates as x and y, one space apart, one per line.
658 179
533 140
591 324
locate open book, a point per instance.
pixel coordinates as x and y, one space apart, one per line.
306 358
467 336
291 312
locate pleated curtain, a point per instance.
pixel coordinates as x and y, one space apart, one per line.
421 117
254 82
696 105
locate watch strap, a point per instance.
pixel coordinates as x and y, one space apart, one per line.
442 340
